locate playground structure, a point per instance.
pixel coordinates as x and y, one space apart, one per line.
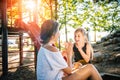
14 28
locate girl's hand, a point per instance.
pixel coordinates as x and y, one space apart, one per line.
69 48
80 44
77 65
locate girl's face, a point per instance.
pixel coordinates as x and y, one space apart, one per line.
78 37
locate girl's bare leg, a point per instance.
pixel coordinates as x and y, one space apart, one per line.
85 72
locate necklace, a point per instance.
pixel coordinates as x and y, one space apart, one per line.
50 44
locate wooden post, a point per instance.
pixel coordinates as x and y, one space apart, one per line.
20 34
35 56
21 48
4 39
36 21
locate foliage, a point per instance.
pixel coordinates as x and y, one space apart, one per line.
28 11
99 16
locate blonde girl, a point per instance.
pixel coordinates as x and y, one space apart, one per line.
82 49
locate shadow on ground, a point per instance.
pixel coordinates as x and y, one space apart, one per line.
22 73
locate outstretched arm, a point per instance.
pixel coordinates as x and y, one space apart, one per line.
69 52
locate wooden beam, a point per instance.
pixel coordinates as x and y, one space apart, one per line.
21 48
4 38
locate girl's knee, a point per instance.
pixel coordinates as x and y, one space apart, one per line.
90 65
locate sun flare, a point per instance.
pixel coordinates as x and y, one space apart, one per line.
30 5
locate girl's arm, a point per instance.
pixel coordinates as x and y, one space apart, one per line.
86 56
69 52
67 70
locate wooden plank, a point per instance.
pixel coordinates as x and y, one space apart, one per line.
4 39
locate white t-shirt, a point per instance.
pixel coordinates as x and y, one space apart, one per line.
50 65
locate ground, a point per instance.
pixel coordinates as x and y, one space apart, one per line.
106 64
